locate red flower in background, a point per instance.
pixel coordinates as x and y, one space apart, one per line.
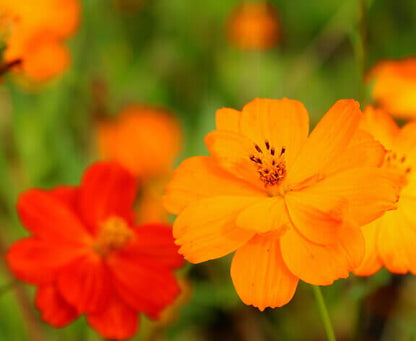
88 257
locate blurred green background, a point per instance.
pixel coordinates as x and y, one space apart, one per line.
175 53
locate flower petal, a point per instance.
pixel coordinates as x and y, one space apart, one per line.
55 310
50 218
397 239
115 322
35 261
107 189
263 216
359 194
228 119
260 276
380 125
206 229
283 123
372 261
200 177
322 264
362 151
329 139
144 285
85 284
155 243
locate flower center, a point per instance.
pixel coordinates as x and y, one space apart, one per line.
271 165
114 233
398 163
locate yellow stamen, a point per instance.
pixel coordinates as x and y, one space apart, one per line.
114 233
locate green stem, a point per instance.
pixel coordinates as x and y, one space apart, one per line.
361 47
324 313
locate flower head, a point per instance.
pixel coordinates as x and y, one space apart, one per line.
254 26
390 240
394 86
34 32
87 256
288 204
144 139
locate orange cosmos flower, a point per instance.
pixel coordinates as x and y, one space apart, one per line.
395 86
289 204
87 256
34 32
391 239
144 139
254 25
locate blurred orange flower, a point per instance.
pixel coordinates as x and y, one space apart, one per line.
395 86
144 139
88 256
391 239
254 25
289 204
34 32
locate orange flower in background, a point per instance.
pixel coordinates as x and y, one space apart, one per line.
395 86
391 239
144 139
288 204
34 32
87 256
254 26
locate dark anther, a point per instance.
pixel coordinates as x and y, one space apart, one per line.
408 169
267 145
259 161
252 158
272 151
273 162
258 148
403 159
394 156
282 151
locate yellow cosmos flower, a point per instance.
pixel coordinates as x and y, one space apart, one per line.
288 204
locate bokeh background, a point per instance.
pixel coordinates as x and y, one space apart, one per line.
176 54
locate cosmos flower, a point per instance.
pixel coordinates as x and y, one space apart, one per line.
87 255
34 32
391 239
291 206
254 26
395 86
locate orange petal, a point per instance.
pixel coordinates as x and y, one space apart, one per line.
260 275
228 119
363 150
371 262
406 139
380 125
55 310
319 225
200 177
206 229
283 123
232 151
322 264
263 216
397 239
364 194
329 138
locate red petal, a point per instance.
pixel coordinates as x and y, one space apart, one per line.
155 243
50 218
118 321
86 283
145 286
55 310
37 262
107 190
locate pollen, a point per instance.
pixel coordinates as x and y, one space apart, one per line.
114 233
399 163
271 166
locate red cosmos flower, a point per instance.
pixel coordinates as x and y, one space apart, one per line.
88 257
